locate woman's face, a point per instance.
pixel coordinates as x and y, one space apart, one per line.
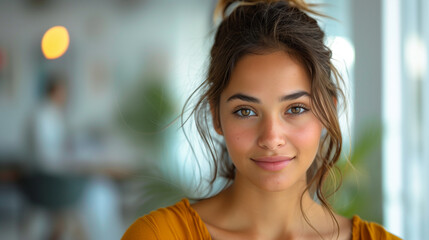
271 133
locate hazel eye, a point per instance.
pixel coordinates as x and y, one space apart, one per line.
296 110
245 112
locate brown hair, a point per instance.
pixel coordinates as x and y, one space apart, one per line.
260 27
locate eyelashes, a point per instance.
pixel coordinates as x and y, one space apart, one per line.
297 109
292 111
244 112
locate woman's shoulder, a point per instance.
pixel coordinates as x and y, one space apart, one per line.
369 230
179 221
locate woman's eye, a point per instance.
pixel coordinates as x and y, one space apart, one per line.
296 110
245 112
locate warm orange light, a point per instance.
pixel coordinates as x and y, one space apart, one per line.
55 42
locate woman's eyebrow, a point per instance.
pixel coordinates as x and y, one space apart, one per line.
243 98
294 96
288 97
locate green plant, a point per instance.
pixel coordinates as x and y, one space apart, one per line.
352 198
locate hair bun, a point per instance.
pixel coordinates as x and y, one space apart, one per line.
222 6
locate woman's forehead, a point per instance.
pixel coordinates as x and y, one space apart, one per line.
275 74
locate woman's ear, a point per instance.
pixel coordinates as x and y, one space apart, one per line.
215 118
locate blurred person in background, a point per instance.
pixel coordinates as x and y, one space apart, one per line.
50 183
78 198
50 128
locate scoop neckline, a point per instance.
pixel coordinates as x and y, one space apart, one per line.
355 219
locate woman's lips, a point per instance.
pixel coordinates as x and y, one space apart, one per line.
274 163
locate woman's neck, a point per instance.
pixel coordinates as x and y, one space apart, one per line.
271 212
245 210
248 209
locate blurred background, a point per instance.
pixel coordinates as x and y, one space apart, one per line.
87 89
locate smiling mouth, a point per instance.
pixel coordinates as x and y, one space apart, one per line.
274 163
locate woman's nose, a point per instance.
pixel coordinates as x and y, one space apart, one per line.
272 134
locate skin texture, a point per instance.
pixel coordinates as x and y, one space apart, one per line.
265 115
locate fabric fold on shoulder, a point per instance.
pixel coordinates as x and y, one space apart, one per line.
363 230
179 221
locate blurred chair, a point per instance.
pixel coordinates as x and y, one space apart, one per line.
59 195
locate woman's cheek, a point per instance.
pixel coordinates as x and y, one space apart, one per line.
307 136
238 137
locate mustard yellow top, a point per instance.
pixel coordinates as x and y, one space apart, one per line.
181 221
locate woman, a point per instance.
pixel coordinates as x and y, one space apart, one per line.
271 93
